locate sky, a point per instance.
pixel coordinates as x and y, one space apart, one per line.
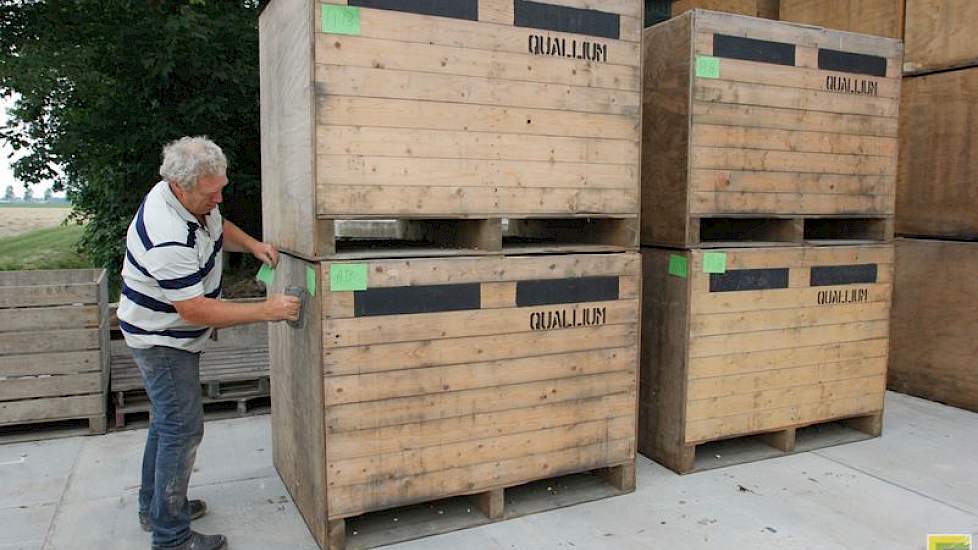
6 173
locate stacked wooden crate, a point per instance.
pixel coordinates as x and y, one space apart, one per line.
935 329
876 17
53 347
770 154
757 8
488 337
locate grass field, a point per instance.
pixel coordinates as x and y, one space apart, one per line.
49 248
18 219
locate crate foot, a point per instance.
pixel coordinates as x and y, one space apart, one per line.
491 503
620 477
871 424
335 534
783 440
98 425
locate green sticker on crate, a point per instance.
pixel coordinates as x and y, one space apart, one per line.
707 66
311 281
715 262
341 19
266 274
347 277
678 266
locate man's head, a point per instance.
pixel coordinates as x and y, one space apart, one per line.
195 168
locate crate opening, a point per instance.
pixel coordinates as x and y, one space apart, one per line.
556 232
747 230
848 229
354 236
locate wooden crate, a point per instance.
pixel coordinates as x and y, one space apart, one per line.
937 185
759 8
784 338
876 17
935 325
450 117
763 147
453 376
940 35
53 347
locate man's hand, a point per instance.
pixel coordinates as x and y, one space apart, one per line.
266 253
280 307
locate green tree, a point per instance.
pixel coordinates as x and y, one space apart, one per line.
102 85
28 195
8 195
48 193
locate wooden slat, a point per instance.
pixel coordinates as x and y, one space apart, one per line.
56 408
741 93
739 363
774 419
940 34
706 346
461 144
788 182
404 437
428 353
19 343
346 501
725 386
746 322
712 158
342 170
50 386
792 119
49 318
474 90
437 380
799 257
808 203
71 362
395 467
427 115
49 295
388 329
359 51
707 135
754 300
407 410
879 17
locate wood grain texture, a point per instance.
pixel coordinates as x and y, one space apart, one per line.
937 186
935 332
876 17
940 35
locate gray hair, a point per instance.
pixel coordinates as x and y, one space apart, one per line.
189 158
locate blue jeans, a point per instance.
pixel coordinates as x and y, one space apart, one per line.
172 379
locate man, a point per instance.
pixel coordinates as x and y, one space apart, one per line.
170 304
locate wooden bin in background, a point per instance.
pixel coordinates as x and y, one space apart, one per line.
451 117
755 8
940 35
54 334
935 323
767 132
876 17
787 337
938 177
453 376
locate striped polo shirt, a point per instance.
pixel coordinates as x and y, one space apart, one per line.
170 257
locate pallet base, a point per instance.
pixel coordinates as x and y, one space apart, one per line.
751 448
243 397
411 238
464 512
38 430
744 231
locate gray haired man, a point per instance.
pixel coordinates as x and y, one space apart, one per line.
171 301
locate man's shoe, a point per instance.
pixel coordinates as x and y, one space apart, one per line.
197 509
199 542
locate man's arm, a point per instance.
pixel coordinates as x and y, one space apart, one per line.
236 240
209 312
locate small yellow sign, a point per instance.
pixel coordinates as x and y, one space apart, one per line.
949 542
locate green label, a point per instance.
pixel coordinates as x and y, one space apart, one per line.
707 66
715 262
678 266
347 277
341 19
311 280
266 275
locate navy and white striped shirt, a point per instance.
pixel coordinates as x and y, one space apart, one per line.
170 257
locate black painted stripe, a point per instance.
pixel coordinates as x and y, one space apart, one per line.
751 49
403 300
566 291
848 62
830 275
738 280
456 9
549 17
